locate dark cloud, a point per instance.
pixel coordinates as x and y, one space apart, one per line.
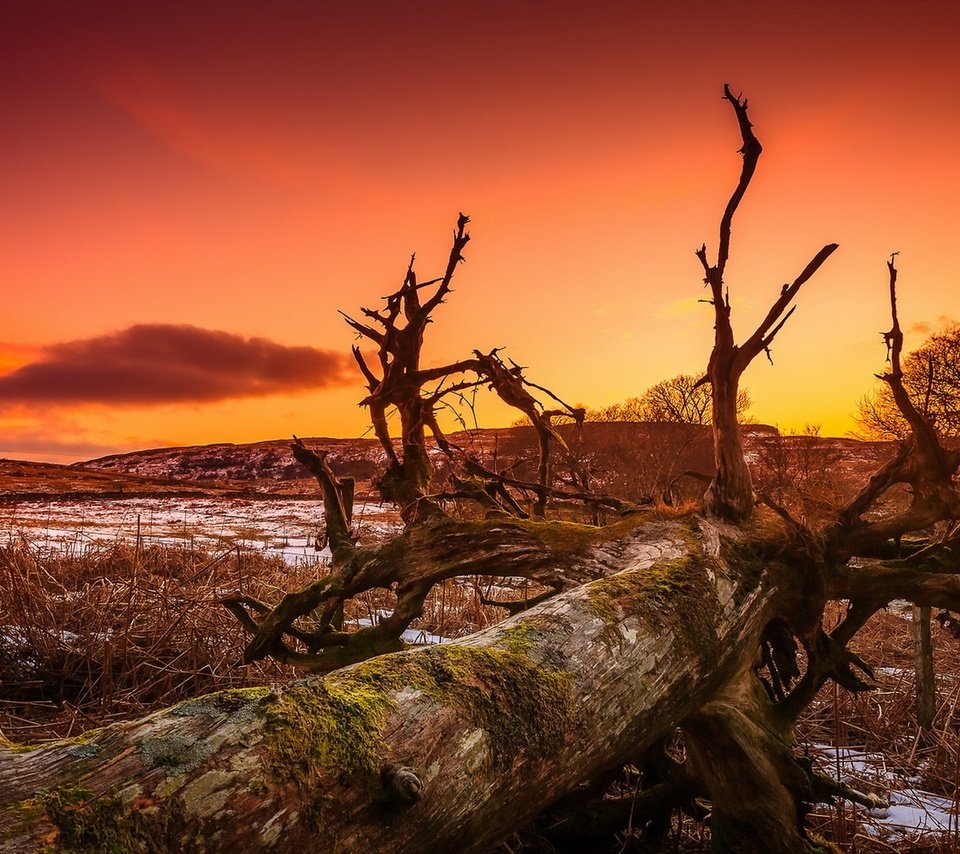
165 363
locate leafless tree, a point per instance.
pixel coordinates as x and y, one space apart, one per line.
931 374
803 473
682 399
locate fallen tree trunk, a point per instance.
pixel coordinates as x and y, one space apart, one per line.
435 749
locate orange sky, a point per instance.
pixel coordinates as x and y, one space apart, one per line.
249 168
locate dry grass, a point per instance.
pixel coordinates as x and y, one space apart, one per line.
20 479
453 608
115 631
884 722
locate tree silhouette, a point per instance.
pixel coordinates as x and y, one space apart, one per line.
931 376
682 399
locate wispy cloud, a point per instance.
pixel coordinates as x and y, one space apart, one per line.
927 327
164 363
22 446
57 436
154 102
682 307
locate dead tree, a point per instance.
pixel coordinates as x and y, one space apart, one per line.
661 620
399 383
921 462
730 495
397 332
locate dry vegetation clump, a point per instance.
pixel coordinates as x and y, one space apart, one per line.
453 608
115 630
885 748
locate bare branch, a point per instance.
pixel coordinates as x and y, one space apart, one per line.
885 581
362 328
701 254
427 375
517 605
923 430
828 656
342 543
374 315
760 339
460 240
575 412
417 286
368 375
430 420
607 501
798 527
442 391
750 150
408 293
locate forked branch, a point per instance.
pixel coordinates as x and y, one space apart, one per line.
730 495
775 319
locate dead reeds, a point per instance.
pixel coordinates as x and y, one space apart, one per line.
872 741
114 630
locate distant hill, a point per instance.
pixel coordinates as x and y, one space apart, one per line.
260 463
269 466
21 480
618 454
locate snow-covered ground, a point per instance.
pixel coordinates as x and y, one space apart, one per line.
418 637
283 527
911 813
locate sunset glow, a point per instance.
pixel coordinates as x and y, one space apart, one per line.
243 170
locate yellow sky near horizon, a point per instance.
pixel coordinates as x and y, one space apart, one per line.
244 171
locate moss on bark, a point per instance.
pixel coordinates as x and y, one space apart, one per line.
523 707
